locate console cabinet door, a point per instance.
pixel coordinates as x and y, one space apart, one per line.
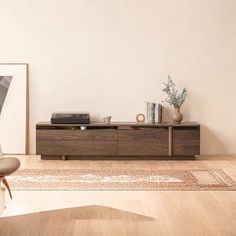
186 141
77 142
143 141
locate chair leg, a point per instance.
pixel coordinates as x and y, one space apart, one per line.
7 185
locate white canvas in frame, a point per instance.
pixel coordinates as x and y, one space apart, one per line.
13 114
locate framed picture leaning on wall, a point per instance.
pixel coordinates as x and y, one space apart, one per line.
14 109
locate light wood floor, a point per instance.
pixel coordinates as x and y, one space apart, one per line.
159 212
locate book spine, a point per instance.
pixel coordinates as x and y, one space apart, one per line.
160 113
153 105
147 112
156 114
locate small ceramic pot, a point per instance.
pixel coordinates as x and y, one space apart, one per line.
177 116
107 119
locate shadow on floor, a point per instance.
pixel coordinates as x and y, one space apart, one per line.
86 220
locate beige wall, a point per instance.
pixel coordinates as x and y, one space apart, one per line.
108 57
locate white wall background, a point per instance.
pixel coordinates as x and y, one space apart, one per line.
108 57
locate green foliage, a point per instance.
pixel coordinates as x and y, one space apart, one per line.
174 97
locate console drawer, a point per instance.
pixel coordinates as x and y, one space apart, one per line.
141 142
90 148
80 135
186 141
77 142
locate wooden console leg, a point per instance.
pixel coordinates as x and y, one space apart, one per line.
64 158
170 151
7 186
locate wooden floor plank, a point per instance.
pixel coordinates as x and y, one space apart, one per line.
174 212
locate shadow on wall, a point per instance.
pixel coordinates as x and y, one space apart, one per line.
186 111
167 114
211 144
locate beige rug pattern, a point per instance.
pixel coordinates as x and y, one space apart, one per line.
121 179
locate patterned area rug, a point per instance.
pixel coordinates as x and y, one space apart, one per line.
113 179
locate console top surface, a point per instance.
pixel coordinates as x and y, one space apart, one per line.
112 124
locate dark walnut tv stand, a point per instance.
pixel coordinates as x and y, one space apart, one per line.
118 141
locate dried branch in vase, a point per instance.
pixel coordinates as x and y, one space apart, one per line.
174 97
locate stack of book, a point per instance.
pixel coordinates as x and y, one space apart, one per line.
154 112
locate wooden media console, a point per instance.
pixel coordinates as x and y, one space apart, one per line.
118 141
